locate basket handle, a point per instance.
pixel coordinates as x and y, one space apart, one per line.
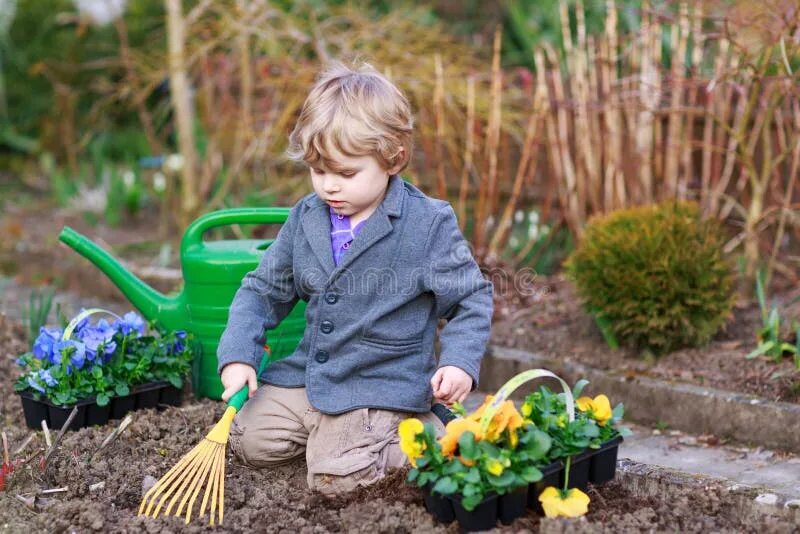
515 382
81 316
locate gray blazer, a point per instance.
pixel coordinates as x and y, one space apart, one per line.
372 319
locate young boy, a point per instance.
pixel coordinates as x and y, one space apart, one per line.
378 263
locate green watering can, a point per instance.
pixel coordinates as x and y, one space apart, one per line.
212 272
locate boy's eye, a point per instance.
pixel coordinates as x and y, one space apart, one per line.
317 171
347 174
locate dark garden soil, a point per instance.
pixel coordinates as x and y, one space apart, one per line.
269 500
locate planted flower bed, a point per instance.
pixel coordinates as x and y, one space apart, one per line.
105 369
497 462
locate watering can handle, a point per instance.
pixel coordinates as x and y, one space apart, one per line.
194 233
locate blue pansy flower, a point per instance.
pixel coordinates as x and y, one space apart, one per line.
131 322
34 384
45 342
78 356
180 344
66 344
48 379
100 335
21 362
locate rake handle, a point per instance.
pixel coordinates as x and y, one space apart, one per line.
240 397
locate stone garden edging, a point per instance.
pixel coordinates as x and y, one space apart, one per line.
650 401
753 505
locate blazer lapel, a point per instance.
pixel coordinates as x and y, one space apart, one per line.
317 227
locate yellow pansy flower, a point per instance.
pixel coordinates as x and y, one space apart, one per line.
453 432
408 430
495 467
599 408
506 418
526 410
575 504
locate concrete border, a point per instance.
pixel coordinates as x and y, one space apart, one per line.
753 505
700 410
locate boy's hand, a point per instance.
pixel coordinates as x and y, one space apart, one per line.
451 384
234 376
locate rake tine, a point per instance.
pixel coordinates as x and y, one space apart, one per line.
165 480
214 486
222 489
172 485
206 472
194 487
185 479
211 477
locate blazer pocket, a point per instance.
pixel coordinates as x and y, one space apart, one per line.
391 344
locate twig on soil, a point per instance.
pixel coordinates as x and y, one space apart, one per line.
32 456
60 435
97 486
24 444
54 490
46 431
29 502
114 434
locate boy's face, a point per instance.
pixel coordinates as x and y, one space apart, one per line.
354 185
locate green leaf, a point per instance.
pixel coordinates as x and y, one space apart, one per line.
762 348
504 480
473 476
530 474
175 380
470 489
578 387
122 390
454 466
469 503
466 446
445 486
103 399
412 475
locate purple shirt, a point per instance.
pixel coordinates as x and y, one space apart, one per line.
341 234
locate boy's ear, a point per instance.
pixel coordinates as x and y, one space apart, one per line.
396 168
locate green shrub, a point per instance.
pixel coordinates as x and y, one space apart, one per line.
656 275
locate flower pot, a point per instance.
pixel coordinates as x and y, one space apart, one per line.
57 415
171 396
147 395
35 411
512 505
482 517
97 415
120 406
437 505
604 461
551 476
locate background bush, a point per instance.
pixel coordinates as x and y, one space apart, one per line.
656 274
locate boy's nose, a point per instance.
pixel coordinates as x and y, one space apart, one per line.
330 185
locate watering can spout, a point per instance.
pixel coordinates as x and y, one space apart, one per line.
151 303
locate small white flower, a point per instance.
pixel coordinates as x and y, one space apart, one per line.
128 178
518 216
513 241
533 232
533 216
544 229
159 182
174 163
100 12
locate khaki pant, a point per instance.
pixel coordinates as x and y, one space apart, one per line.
343 451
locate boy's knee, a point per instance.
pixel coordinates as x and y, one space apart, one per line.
332 484
260 448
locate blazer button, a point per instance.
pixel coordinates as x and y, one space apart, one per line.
322 356
331 298
326 327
